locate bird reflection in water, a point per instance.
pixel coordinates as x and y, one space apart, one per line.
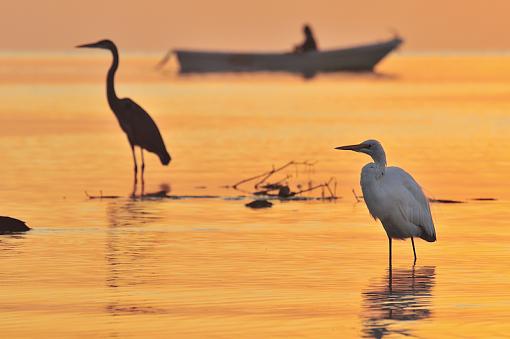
404 295
130 255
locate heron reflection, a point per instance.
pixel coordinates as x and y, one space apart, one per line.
403 295
130 255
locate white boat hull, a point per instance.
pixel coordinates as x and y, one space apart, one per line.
359 58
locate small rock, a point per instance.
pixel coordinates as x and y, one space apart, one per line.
11 225
259 204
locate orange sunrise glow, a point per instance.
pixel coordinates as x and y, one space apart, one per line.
232 169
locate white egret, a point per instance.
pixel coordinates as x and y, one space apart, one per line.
394 197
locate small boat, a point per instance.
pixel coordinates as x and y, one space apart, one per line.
357 58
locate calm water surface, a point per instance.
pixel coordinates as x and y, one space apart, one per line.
211 267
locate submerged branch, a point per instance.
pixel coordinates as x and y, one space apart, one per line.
280 188
101 196
265 174
357 197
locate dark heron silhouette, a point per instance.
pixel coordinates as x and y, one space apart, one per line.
12 225
139 127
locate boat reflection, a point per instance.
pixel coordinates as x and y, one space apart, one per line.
403 295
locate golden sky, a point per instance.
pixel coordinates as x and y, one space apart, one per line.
156 25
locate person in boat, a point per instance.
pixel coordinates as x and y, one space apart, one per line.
309 45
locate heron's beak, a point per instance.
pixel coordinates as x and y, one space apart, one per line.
93 45
355 148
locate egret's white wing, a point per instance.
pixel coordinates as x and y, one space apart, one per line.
370 192
411 201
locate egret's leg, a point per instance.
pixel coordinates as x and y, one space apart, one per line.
413 279
390 269
389 239
414 250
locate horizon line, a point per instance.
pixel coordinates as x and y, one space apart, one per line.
150 52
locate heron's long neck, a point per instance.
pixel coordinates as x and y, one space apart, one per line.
110 86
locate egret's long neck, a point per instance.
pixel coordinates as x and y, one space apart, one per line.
380 160
110 87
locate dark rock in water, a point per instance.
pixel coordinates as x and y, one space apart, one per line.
11 225
259 204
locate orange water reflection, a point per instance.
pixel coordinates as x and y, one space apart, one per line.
404 295
149 267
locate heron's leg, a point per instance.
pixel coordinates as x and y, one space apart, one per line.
143 172
134 160
133 194
135 181
414 250
143 164
143 160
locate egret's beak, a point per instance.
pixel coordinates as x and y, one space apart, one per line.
355 148
93 45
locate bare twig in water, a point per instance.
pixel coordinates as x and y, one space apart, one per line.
265 174
357 197
273 171
101 196
329 189
281 187
277 185
324 185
